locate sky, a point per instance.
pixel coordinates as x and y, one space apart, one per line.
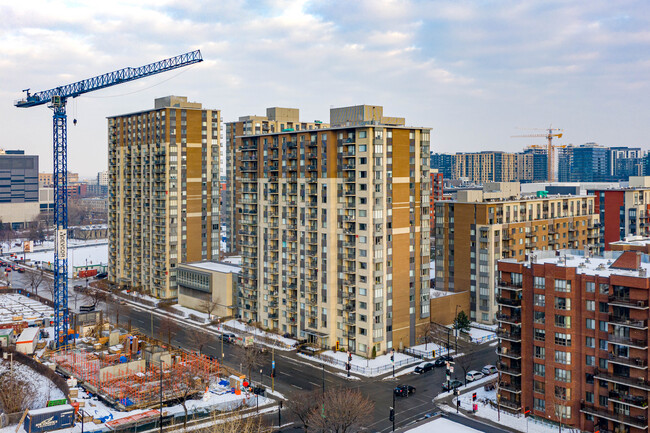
476 72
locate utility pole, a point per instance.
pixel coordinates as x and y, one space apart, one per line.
392 411
323 381
280 415
272 368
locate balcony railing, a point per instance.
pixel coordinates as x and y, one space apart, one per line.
509 353
509 302
633 421
627 302
630 362
632 400
625 341
511 336
510 285
626 321
515 320
634 382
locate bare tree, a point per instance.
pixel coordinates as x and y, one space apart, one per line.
253 358
427 334
188 383
343 411
95 297
210 306
301 406
464 363
35 279
16 394
166 329
49 287
199 339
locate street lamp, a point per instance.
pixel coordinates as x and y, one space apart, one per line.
457 327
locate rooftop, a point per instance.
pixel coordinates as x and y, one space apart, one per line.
215 266
622 263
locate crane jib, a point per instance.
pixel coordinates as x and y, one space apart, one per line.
110 79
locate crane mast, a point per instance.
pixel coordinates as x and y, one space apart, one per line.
549 135
57 99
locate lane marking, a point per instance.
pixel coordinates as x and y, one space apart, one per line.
286 374
320 385
296 386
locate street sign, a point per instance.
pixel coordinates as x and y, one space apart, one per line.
272 364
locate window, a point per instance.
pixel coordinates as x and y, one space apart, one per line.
602 325
539 300
562 375
539 370
562 393
539 404
590 286
562 303
590 342
602 400
539 317
563 411
602 363
602 344
539 334
540 352
591 324
603 307
603 289
562 339
563 321
589 397
590 360
539 282
562 285
539 386
590 305
563 357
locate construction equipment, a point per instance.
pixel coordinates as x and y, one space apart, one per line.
57 99
550 133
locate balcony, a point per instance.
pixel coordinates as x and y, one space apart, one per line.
507 285
512 371
637 401
515 303
639 363
626 321
513 405
633 421
621 301
631 342
505 318
510 336
638 382
509 353
510 387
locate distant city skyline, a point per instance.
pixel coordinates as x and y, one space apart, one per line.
474 72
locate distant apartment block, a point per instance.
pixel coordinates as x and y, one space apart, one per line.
624 211
334 231
163 193
19 203
277 119
480 227
573 339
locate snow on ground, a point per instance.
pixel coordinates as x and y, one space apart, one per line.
492 328
407 370
430 350
360 365
442 425
486 411
481 336
44 387
243 327
482 381
80 256
187 311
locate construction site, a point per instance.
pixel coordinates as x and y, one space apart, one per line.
130 371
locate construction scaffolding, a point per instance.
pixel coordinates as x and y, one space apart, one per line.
133 381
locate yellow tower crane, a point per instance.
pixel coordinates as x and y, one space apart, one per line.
549 134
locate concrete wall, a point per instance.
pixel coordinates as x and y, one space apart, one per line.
443 308
19 213
120 370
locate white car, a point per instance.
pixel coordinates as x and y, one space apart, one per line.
473 375
489 369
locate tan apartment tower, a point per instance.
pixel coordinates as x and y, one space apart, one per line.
334 234
163 193
276 120
480 227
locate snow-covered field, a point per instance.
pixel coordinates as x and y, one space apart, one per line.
79 256
243 327
430 350
363 366
44 387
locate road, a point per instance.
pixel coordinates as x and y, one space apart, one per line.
294 375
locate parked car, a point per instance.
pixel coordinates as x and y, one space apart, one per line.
228 338
404 390
21 271
423 368
101 275
489 369
473 375
453 384
441 362
8 269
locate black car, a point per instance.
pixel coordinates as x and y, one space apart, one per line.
101 275
453 384
404 390
427 366
441 362
228 338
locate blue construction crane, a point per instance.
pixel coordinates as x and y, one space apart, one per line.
57 99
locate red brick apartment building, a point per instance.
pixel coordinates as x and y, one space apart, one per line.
573 338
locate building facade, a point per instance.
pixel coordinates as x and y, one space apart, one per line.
208 286
163 193
334 234
19 203
573 339
276 120
478 228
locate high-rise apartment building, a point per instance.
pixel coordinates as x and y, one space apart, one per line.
625 162
623 211
540 162
487 166
573 339
19 204
277 119
163 193
334 233
478 228
588 162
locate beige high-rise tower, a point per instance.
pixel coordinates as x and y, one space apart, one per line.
334 231
163 193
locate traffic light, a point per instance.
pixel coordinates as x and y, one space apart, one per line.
349 356
391 417
392 356
474 397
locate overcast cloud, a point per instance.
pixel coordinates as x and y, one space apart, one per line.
474 71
